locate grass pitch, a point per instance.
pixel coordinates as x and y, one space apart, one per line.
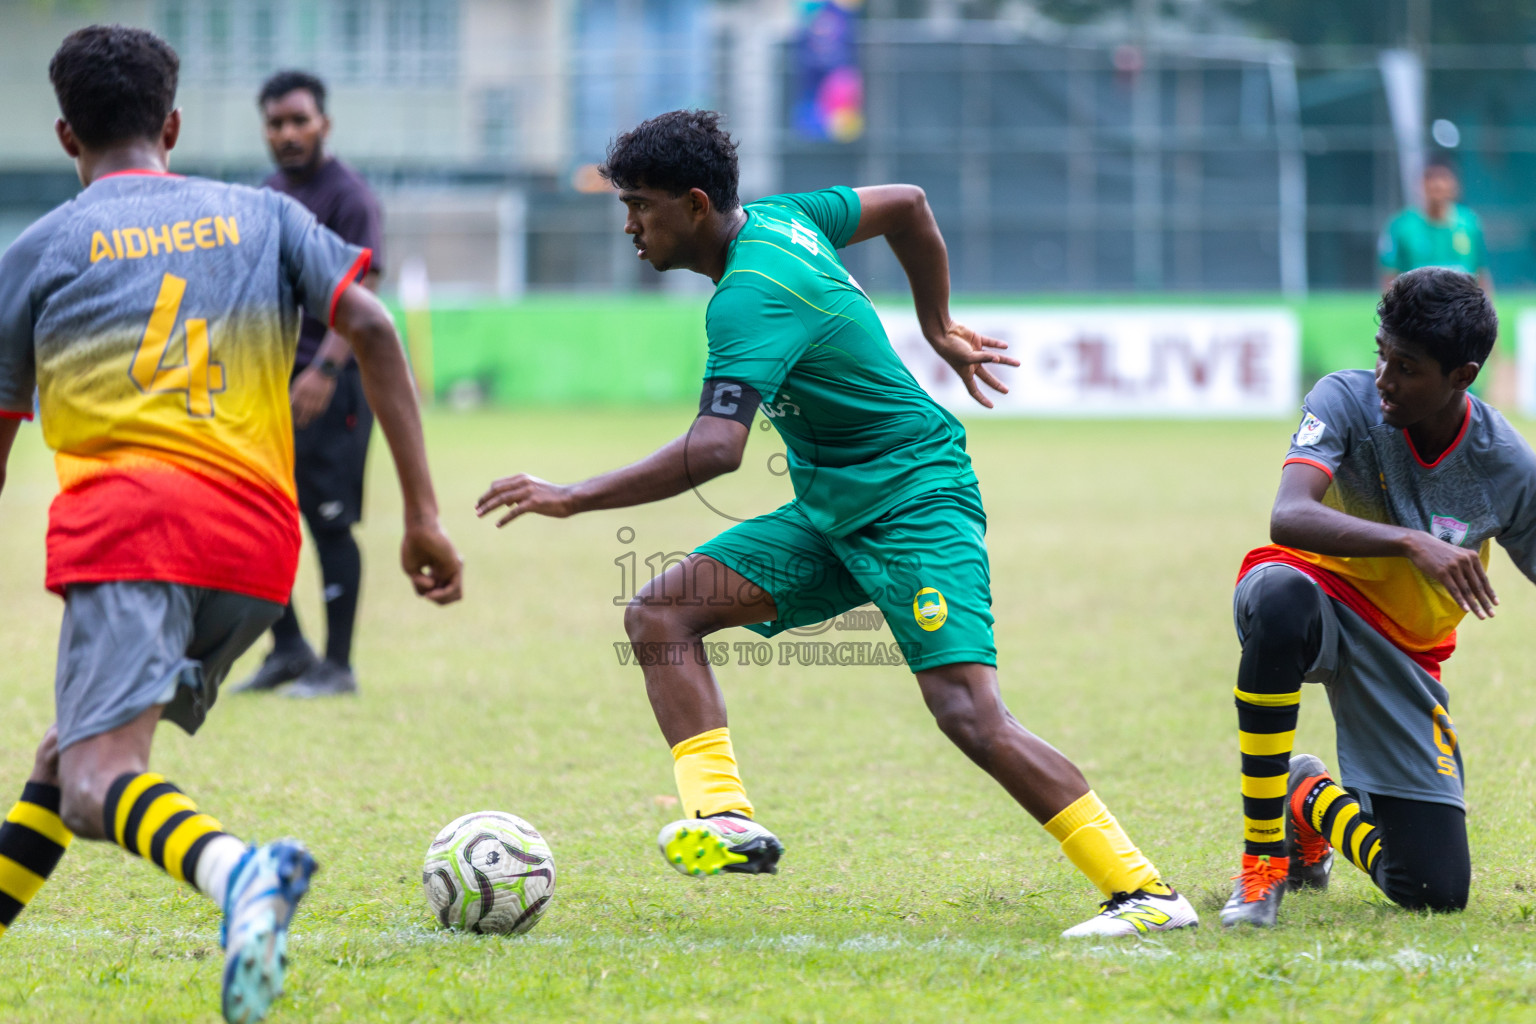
912 889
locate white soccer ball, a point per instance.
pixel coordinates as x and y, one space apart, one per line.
489 872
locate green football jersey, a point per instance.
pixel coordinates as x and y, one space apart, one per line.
1412 240
789 322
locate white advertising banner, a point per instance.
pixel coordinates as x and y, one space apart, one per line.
1123 361
1525 361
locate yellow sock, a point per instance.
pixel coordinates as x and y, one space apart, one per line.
707 779
1095 843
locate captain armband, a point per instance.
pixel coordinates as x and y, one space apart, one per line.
729 400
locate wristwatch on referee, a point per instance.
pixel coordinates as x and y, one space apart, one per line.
329 368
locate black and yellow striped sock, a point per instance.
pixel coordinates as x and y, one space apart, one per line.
148 816
1266 724
1334 813
32 840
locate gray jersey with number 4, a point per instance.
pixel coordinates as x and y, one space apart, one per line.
157 316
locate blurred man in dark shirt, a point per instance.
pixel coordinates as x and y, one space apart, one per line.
331 418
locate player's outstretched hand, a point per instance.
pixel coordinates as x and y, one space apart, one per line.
310 393
968 354
435 568
1459 570
524 493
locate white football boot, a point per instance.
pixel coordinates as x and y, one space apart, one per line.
1136 913
725 842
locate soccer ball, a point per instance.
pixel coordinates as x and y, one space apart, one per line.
489 872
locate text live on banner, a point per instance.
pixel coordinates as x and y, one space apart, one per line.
1154 361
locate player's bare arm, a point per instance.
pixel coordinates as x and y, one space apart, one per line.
1421 397
1301 520
313 387
902 215
426 553
8 428
711 448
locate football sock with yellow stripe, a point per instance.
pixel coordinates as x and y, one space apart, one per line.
1266 724
32 840
708 781
1336 815
148 816
1094 842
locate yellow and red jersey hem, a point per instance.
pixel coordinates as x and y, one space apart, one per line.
58 581
1336 587
156 521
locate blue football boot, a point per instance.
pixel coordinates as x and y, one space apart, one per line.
264 889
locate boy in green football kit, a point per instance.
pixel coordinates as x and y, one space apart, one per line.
1443 233
886 504
870 444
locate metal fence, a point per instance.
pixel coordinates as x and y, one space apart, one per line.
1050 166
1088 167
1083 160
1104 164
1487 94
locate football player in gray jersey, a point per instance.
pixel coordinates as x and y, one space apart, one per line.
1395 485
156 318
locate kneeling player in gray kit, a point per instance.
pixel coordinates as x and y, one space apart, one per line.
1394 486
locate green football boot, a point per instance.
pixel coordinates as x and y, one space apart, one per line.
724 842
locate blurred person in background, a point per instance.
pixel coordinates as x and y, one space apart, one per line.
1441 234
1445 233
331 418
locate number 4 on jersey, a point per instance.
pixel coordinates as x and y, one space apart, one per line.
196 375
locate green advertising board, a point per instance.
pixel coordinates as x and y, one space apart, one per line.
643 350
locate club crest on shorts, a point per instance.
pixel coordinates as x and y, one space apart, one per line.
930 609
1310 432
1452 531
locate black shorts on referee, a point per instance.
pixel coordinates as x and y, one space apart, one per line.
330 453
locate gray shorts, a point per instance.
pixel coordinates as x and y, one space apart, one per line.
1394 732
126 647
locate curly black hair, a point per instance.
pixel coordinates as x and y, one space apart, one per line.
114 83
675 152
284 82
1444 311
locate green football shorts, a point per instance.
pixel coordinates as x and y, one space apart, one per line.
923 564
